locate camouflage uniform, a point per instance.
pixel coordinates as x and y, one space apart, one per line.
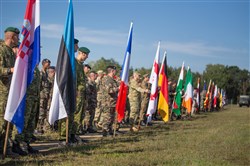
110 92
91 93
134 99
45 87
144 99
80 96
31 109
99 108
7 61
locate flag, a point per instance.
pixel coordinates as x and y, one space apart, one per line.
198 94
154 88
64 92
206 102
122 95
28 57
177 99
163 107
215 96
188 88
221 93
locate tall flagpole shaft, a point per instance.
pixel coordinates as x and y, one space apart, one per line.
6 140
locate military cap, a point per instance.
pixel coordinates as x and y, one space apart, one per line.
12 29
137 73
100 72
52 67
87 65
76 41
111 67
146 75
45 60
84 50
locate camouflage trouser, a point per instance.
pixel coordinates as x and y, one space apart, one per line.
80 113
98 112
89 117
108 118
72 125
43 124
127 111
31 111
134 112
143 110
3 123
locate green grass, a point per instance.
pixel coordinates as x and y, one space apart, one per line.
217 138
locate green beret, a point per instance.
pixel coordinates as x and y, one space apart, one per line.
87 65
84 50
76 41
12 29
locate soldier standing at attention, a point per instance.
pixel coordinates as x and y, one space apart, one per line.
91 96
144 99
110 92
135 99
82 55
45 87
99 109
7 62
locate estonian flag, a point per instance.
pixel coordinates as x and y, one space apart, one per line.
64 98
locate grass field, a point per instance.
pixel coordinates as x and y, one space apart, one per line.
217 138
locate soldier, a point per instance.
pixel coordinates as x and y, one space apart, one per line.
99 109
110 92
86 69
7 61
83 53
144 99
76 47
135 99
45 87
91 93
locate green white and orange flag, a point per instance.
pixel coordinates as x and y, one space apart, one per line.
188 88
177 99
163 107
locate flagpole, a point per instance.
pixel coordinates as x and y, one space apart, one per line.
115 124
6 139
67 130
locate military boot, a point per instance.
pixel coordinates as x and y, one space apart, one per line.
17 149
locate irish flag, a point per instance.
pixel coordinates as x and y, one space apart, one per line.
188 88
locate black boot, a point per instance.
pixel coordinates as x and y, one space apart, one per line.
32 150
17 149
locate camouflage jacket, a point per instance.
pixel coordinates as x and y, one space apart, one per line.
146 86
7 61
80 79
99 87
45 84
110 92
91 94
135 91
33 90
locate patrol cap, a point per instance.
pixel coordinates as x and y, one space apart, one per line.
84 50
111 67
137 73
146 75
100 72
87 65
12 29
76 41
46 60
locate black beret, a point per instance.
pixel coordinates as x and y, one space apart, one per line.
111 67
76 41
12 29
45 60
52 67
84 50
87 65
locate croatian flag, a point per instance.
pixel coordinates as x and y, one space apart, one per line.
28 58
64 92
122 95
154 88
